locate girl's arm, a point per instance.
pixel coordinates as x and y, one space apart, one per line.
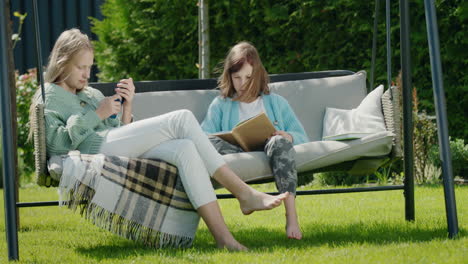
291 123
212 122
64 135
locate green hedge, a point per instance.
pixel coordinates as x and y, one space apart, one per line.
158 39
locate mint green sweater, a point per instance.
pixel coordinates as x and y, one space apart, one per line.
71 121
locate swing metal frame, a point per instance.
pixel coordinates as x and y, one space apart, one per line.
11 204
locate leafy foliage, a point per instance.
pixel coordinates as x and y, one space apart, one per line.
424 137
459 151
338 178
26 86
158 39
147 40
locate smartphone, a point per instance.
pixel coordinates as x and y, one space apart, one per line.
121 102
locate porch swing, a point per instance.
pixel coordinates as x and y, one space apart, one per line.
48 174
49 169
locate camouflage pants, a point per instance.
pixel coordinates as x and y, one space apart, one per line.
280 154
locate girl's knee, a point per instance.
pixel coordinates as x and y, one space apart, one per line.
186 114
279 138
279 142
186 119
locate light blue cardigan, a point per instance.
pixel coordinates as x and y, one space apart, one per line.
223 115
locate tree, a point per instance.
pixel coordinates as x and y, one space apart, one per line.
203 40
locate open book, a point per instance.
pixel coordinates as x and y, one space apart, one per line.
250 134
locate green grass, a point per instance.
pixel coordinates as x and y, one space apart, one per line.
338 228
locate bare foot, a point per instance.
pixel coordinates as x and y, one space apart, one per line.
232 245
258 201
293 231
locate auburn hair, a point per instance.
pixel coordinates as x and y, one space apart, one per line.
244 52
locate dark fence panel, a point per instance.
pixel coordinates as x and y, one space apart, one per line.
55 16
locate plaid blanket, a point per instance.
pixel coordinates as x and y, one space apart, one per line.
140 199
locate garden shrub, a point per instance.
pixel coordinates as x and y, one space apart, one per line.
26 86
305 178
337 178
459 151
147 40
158 39
424 138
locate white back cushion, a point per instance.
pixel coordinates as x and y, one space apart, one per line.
308 98
367 118
156 103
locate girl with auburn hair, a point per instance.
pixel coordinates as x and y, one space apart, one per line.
245 94
77 117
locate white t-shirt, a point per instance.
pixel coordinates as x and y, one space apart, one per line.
248 110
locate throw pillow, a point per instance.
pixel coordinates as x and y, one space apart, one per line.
367 118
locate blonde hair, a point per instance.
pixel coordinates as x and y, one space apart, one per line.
68 44
244 52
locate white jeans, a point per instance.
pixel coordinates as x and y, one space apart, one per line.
177 138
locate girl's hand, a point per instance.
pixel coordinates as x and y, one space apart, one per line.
126 89
284 134
109 106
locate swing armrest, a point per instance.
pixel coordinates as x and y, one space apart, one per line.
43 177
391 108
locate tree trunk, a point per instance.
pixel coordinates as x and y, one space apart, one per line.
203 40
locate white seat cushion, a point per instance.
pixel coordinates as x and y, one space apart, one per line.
308 98
318 154
252 166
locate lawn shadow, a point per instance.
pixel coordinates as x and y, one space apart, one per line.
341 235
121 248
263 239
